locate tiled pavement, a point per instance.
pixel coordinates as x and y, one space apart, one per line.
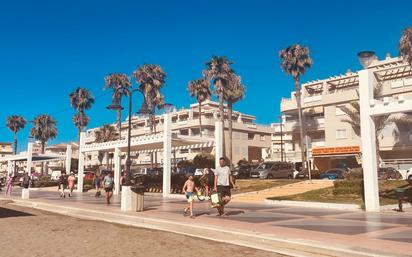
384 233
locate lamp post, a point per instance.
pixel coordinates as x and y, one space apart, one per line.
143 110
116 106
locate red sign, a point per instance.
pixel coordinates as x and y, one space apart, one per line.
335 150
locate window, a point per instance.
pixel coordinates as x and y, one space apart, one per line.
251 136
338 110
341 134
262 138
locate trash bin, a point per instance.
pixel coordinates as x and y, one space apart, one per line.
138 197
400 192
25 193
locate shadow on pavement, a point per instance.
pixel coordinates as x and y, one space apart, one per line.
8 213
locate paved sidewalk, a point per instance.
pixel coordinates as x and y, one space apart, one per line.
293 231
289 189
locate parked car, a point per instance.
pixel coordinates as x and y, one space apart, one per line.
409 174
334 174
271 170
389 173
55 175
242 171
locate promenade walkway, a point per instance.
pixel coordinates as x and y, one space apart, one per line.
294 231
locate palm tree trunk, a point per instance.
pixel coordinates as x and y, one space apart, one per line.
43 164
107 161
377 152
119 123
200 123
15 151
222 119
15 143
151 131
301 124
229 106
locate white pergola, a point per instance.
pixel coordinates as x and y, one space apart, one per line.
164 141
369 108
29 158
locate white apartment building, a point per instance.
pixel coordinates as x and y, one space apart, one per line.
334 143
250 140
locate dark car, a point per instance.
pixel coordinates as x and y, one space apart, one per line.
242 171
334 174
273 170
389 173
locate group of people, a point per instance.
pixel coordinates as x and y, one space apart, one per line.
219 180
106 182
66 182
10 180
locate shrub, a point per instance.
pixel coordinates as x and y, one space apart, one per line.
45 178
204 161
45 183
87 182
355 174
184 164
348 187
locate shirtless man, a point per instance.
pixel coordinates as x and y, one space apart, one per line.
188 190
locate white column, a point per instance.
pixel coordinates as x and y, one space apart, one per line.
218 141
81 164
29 157
167 153
9 167
369 161
68 158
117 167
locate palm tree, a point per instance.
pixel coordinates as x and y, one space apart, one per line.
151 78
405 45
295 60
15 123
218 70
235 92
352 112
44 128
80 120
81 99
105 133
119 83
200 89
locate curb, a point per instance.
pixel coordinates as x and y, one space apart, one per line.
265 242
336 206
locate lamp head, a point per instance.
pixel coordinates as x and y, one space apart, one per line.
366 58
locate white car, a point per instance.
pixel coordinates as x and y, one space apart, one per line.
198 172
409 174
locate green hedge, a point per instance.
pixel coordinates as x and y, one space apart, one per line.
45 183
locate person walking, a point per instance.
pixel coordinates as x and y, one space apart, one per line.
222 182
70 181
108 183
97 184
62 184
26 180
9 184
188 190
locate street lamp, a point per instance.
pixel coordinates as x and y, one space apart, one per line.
366 58
115 106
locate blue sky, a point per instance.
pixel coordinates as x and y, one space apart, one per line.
48 48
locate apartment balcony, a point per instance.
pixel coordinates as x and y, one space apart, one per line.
317 123
342 96
285 137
